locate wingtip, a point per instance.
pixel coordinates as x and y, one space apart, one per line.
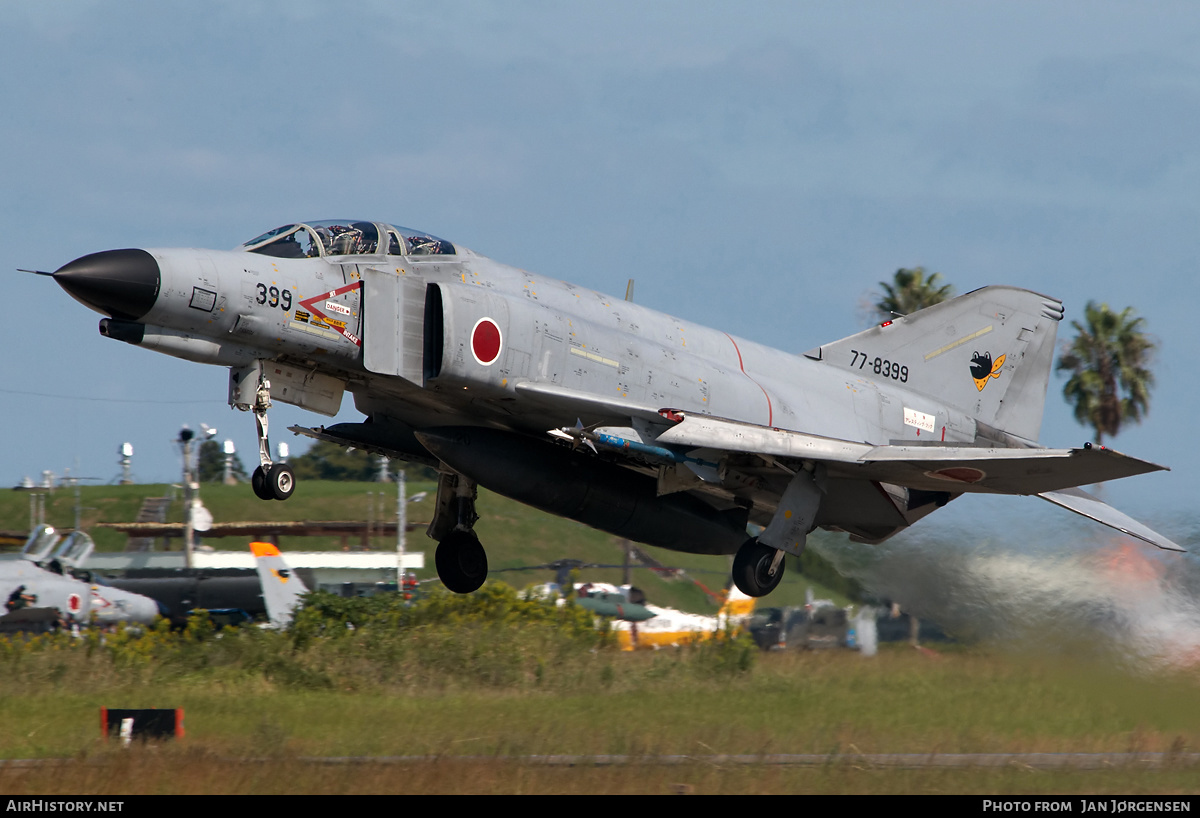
1158 540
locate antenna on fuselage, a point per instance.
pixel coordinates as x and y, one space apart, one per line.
629 291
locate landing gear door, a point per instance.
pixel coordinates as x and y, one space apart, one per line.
394 324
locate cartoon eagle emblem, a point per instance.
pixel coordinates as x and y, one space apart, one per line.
983 370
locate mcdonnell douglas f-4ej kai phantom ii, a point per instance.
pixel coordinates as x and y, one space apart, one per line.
598 409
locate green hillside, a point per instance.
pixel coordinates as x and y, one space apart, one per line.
513 534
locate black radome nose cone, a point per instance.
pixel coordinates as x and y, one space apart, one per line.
119 283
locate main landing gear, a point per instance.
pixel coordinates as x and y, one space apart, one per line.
270 481
461 562
460 559
758 566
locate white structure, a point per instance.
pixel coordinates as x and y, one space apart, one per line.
329 568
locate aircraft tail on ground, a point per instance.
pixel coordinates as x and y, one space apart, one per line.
738 604
281 588
988 353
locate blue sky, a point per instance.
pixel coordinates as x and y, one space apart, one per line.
756 167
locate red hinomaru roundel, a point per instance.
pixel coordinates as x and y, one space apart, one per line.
960 474
486 341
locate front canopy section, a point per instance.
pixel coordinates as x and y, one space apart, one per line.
341 237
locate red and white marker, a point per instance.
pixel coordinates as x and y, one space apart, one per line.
310 304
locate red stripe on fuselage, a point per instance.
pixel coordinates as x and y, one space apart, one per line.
742 366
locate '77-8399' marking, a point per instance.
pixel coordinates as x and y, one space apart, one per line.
880 366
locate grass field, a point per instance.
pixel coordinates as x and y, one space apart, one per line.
256 736
475 687
482 684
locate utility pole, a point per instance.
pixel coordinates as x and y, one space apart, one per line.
126 452
189 530
401 525
230 450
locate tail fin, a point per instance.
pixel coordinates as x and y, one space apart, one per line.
281 588
988 353
737 604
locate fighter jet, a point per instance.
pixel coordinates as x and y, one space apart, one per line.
42 580
632 421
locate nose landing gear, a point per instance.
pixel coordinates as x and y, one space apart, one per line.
270 481
274 482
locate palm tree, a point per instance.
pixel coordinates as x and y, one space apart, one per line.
1108 361
910 291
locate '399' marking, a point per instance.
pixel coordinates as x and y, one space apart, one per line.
274 297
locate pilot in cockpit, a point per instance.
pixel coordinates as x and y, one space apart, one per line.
325 237
290 248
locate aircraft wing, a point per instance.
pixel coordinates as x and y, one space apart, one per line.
930 468
975 469
705 432
999 470
1052 474
588 407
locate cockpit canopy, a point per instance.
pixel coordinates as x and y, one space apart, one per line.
341 237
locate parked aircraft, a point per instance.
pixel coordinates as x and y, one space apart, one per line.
40 579
281 588
179 591
601 598
629 420
640 625
272 591
670 627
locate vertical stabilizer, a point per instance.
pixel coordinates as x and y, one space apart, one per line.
738 604
988 353
281 588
